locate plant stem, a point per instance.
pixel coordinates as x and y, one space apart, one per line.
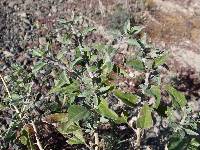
9 95
4 83
37 139
138 140
96 140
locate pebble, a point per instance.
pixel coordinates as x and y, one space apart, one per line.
42 40
14 2
54 9
22 14
8 54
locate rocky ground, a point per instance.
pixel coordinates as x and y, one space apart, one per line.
175 26
172 25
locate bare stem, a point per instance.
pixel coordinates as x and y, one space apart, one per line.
4 83
37 139
9 95
138 140
96 140
166 148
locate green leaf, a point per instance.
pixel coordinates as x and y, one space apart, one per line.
131 30
77 138
160 60
128 98
195 143
104 89
38 66
99 46
64 39
16 96
107 67
177 142
74 140
23 140
177 96
121 119
127 26
155 91
38 53
123 72
76 113
60 55
64 129
190 132
88 30
2 106
145 119
103 120
106 111
92 69
75 62
68 90
170 114
63 79
136 29
136 64
133 42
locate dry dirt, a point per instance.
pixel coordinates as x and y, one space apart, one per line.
175 25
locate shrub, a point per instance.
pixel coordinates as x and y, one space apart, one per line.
75 89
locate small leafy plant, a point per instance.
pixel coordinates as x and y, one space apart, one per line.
82 94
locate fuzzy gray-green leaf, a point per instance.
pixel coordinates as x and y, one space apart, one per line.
106 111
128 98
155 91
38 66
77 138
160 60
177 96
136 64
145 119
76 113
191 132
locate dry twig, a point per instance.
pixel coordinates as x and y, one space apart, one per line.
138 133
96 140
37 139
9 95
